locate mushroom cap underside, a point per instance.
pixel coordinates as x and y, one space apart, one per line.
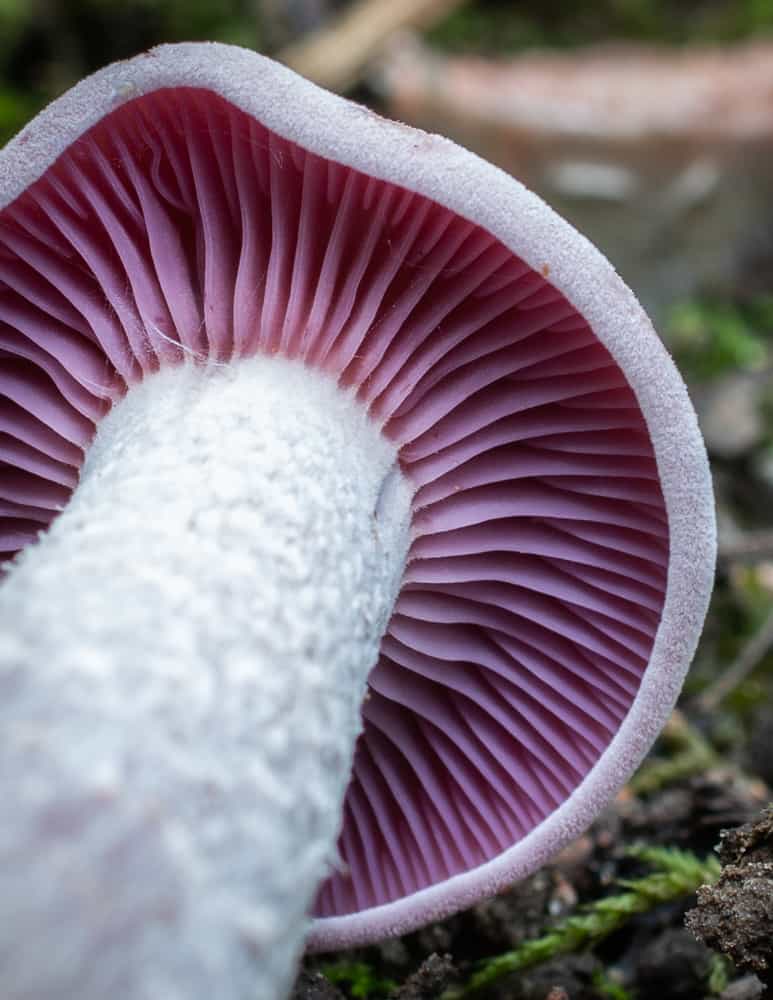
200 201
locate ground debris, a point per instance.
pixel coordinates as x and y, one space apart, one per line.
312 985
675 965
746 988
694 812
650 956
429 981
567 976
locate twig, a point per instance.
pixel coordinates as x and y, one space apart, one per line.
755 650
337 56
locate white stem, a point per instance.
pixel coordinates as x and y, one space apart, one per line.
183 658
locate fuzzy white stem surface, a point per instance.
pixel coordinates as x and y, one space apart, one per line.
183 657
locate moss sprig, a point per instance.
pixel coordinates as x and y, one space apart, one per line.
677 874
360 979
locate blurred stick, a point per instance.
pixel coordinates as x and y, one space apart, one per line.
750 546
337 56
691 754
752 653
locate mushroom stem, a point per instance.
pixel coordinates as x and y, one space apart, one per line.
183 658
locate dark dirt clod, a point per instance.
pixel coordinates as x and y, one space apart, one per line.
750 843
694 812
569 975
674 965
735 916
312 985
429 981
746 988
504 922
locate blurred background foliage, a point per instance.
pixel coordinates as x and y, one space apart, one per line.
499 26
46 45
710 336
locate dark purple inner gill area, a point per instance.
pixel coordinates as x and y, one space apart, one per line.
536 580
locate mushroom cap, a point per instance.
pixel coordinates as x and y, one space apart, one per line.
200 199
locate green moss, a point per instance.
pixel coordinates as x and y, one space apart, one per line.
360 980
709 337
15 111
677 874
606 986
500 26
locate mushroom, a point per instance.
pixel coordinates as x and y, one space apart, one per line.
348 497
